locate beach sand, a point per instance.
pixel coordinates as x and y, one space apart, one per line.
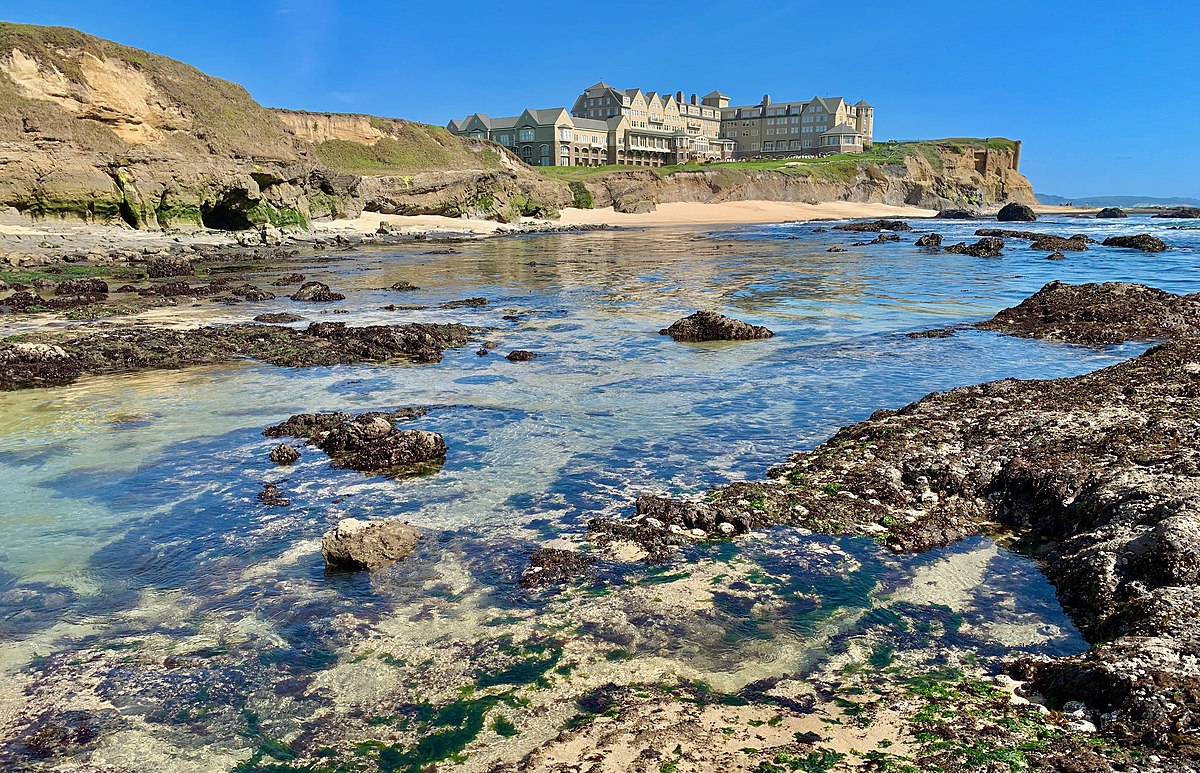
740 212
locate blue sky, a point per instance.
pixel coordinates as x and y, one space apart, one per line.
1102 92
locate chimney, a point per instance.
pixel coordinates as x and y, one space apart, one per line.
679 97
766 99
695 101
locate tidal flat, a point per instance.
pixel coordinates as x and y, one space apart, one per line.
155 615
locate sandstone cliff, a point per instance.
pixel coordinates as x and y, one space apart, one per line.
93 130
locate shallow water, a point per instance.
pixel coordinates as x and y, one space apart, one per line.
129 501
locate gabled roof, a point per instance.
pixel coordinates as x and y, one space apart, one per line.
590 124
598 85
546 116
716 94
862 103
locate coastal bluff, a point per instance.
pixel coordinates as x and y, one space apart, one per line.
102 133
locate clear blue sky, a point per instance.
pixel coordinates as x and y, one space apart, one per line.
1103 92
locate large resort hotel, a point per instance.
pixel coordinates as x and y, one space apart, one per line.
628 126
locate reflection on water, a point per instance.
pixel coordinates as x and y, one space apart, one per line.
129 501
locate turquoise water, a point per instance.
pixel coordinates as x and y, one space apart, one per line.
131 523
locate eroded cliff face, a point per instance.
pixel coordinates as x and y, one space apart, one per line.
941 177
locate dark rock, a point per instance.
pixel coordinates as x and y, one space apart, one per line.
550 566
836 248
404 287
82 287
166 267
283 454
1111 212
278 318
316 292
59 734
271 496
710 326
369 442
482 352
126 289
249 292
1182 212
1038 241
884 238
519 355
1143 242
357 544
465 303
941 332
987 247
1016 213
130 348
875 225
1056 256
930 240
288 279
1097 314
957 214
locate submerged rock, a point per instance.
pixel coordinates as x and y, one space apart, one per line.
357 544
1056 256
551 566
875 225
517 355
1143 242
470 303
1095 314
404 287
710 326
987 247
288 279
1016 212
316 292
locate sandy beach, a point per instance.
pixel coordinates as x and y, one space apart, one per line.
728 212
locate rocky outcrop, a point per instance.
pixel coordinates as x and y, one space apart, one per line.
957 214
710 326
1143 242
53 359
1097 314
1040 241
369 442
930 240
357 544
1111 212
519 355
283 455
316 292
987 247
1016 212
1181 212
874 225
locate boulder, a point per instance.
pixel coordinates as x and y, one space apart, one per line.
517 355
884 239
1143 242
1056 256
470 303
987 247
1041 241
283 454
357 544
1111 212
930 240
369 442
316 292
166 266
957 214
1016 213
288 279
710 326
404 287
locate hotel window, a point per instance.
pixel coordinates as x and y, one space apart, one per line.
807 143
564 134
768 146
526 135
505 139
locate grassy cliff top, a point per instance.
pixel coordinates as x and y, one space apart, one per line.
836 166
216 117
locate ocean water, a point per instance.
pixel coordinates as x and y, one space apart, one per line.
133 540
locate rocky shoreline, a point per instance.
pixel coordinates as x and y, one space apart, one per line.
1096 475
